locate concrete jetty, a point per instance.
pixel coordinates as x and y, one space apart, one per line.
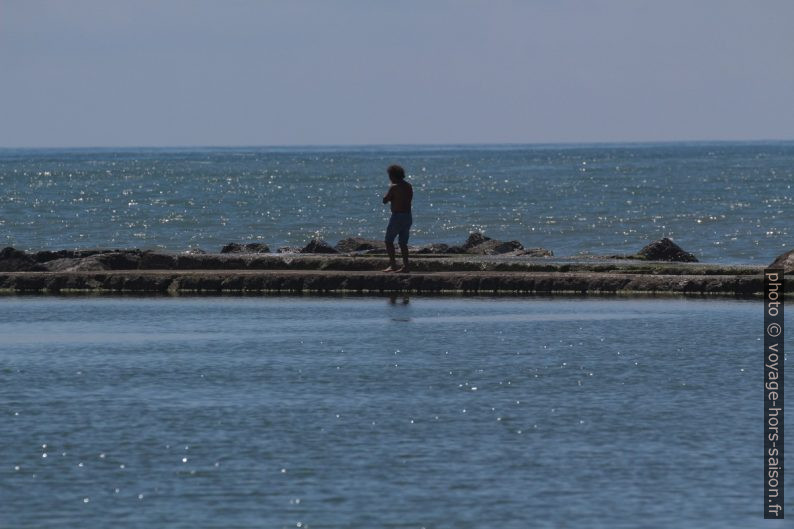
133 271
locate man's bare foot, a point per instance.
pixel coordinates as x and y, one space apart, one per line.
391 269
403 270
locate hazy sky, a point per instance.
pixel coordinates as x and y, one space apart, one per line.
226 72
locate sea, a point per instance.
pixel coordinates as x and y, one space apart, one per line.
389 411
724 202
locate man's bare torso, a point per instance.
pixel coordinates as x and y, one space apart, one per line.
400 196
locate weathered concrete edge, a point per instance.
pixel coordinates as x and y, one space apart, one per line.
473 283
129 260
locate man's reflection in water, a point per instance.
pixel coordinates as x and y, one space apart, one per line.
404 299
400 300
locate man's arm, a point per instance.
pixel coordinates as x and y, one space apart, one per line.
389 194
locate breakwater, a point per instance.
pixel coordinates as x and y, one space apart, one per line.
111 272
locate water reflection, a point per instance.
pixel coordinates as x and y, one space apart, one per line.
401 301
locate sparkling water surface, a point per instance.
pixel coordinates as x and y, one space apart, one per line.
377 412
725 202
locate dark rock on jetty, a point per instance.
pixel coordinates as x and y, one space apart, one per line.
76 264
318 246
121 260
359 244
101 260
69 260
665 250
288 249
49 255
253 247
784 261
494 247
536 252
233 247
13 260
160 261
474 239
436 248
479 244
475 244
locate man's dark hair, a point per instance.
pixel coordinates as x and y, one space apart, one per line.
395 171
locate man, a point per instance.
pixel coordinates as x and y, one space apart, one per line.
400 194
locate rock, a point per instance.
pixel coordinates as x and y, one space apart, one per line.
120 260
232 247
494 247
665 250
13 260
150 260
536 252
318 246
49 255
784 261
359 244
45 255
89 260
251 247
456 249
288 249
194 251
76 264
474 239
431 248
479 244
257 247
437 248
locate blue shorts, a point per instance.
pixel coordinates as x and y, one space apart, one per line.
399 224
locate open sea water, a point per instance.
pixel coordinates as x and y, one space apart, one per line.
725 202
377 412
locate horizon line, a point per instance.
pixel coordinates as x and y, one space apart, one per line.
399 145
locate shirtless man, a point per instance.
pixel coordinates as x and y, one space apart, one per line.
400 194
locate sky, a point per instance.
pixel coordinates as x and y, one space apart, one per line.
102 73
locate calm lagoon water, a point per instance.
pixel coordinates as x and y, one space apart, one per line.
378 412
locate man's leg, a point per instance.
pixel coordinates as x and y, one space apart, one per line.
403 240
391 233
404 250
392 257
